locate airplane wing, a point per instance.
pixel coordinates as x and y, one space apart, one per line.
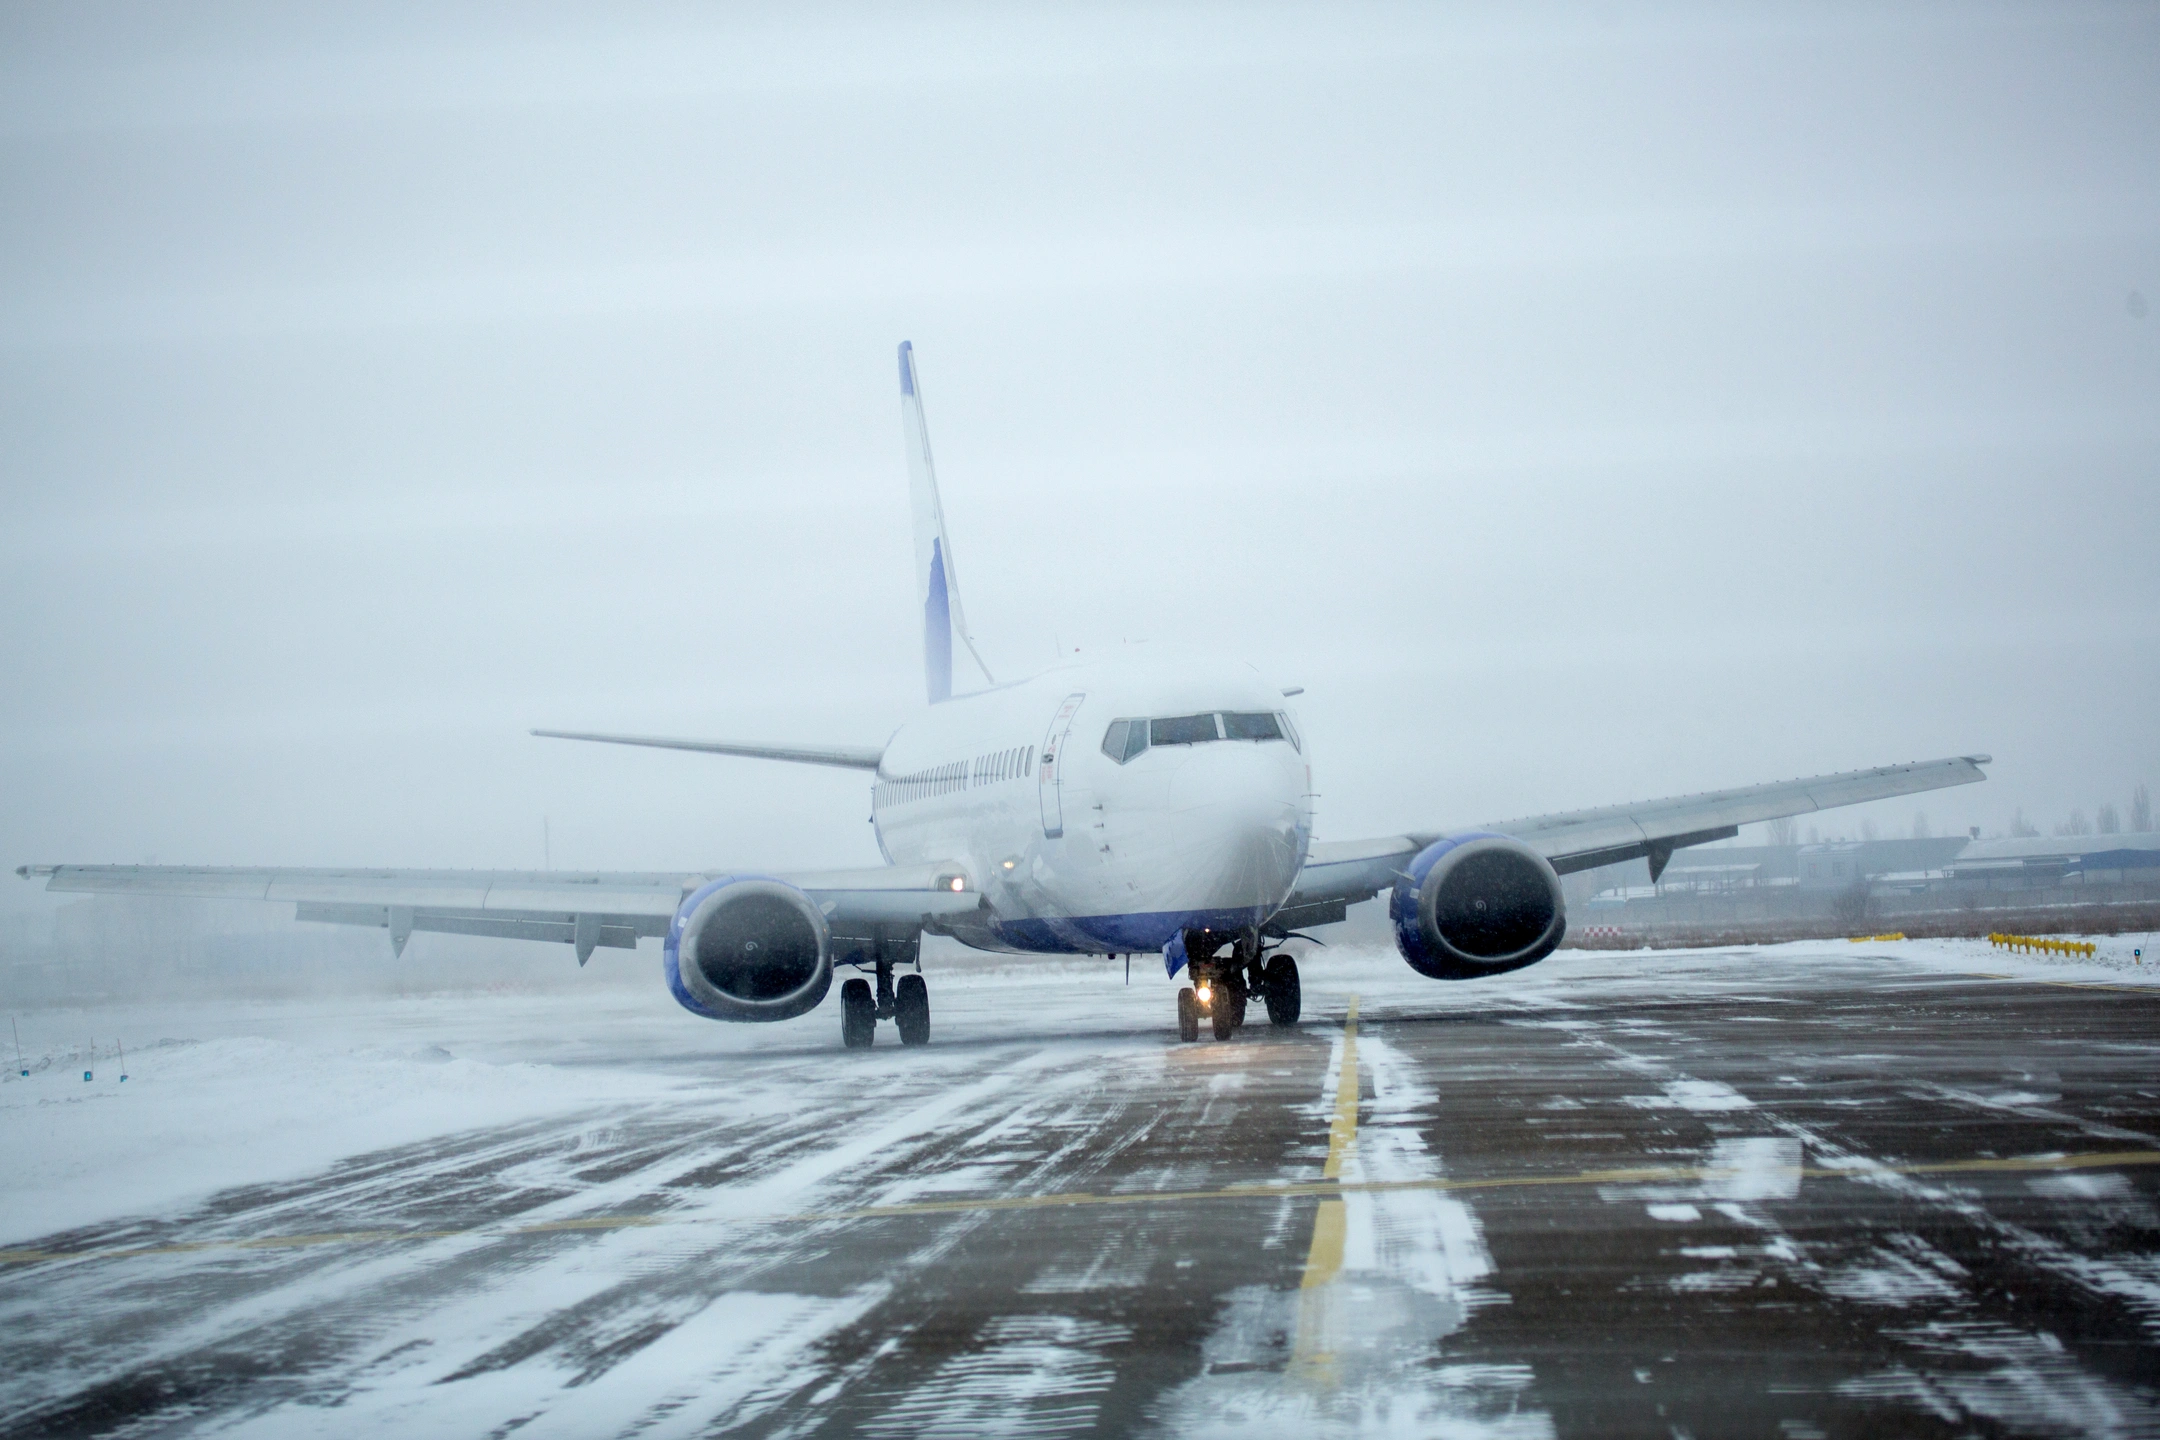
1340 873
590 909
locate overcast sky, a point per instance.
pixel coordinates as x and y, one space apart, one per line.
1582 404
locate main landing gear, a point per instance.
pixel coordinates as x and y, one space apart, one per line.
907 1004
1224 983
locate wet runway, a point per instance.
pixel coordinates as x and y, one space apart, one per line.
1815 1192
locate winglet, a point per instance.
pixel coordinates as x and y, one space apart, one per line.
937 583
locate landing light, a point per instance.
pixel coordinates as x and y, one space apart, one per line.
1202 994
958 884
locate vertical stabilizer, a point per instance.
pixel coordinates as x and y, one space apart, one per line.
937 586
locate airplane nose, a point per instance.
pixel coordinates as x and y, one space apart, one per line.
1260 860
1238 814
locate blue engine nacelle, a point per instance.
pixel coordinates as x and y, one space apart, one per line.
744 947
1476 904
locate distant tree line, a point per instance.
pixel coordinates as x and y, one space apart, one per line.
2106 820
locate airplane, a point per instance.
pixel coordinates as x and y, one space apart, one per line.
1151 802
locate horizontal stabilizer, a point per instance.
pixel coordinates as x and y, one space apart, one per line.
846 757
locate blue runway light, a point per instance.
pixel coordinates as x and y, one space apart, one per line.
86 1076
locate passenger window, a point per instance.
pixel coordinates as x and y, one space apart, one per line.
1250 727
1182 730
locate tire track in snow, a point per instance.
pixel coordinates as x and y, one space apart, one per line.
2025 1376
161 1324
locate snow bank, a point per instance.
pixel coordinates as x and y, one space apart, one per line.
2112 962
196 1117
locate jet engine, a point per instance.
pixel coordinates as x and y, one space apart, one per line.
744 947
1476 904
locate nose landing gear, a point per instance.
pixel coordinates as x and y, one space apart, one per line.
1226 1014
1224 984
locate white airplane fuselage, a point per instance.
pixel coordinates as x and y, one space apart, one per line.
1080 851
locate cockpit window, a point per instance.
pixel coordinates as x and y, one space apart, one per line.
1125 739
1182 730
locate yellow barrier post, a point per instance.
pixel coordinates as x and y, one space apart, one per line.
2035 945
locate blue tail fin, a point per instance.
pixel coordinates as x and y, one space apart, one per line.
937 585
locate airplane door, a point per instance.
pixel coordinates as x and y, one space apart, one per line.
1051 766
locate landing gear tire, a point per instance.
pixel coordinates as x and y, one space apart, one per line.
1281 991
858 1015
1222 1015
911 1010
1237 1005
1188 1015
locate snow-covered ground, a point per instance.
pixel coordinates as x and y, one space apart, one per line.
209 1110
462 1144
221 1094
2114 958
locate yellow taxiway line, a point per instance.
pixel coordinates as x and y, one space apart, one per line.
1312 1353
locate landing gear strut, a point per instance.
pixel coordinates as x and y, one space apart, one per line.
907 1005
1223 984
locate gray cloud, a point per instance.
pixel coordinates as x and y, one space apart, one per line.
1580 406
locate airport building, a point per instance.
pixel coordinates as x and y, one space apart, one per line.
1880 878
